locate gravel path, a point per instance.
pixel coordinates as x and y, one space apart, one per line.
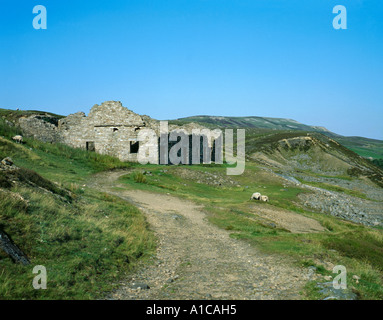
197 260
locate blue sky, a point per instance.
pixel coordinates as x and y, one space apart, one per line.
176 58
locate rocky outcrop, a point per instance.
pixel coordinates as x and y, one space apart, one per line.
11 249
340 205
6 243
6 163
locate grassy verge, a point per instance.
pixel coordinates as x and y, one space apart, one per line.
86 246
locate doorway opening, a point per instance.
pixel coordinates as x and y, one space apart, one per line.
90 146
134 146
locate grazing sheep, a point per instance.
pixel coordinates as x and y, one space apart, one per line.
255 196
18 139
265 198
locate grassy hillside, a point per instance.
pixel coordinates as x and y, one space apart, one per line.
368 148
252 122
13 115
365 147
287 147
87 240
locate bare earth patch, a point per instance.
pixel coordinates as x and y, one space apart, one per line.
288 220
197 260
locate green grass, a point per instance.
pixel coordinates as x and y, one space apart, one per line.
366 152
139 177
86 239
58 162
378 162
86 247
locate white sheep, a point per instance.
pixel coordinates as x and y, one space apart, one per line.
18 139
264 198
255 196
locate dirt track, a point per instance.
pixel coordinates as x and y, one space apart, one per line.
197 260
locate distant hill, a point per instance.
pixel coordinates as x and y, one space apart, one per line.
253 122
369 148
14 115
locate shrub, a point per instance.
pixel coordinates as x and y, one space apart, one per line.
4 181
378 162
139 177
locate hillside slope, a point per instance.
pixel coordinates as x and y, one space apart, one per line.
312 151
86 239
346 185
370 148
253 122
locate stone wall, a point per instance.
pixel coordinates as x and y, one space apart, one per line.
40 127
108 129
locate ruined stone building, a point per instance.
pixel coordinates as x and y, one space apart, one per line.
108 129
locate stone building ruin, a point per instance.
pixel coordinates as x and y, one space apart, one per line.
108 129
